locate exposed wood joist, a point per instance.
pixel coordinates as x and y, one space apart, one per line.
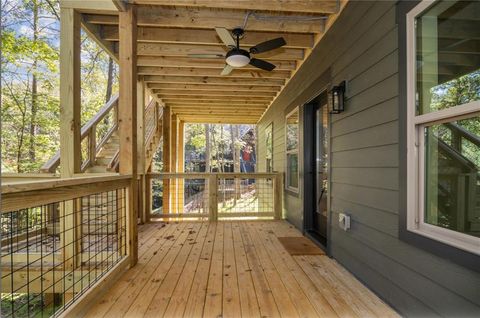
223 93
215 107
94 31
89 6
216 88
215 102
208 37
192 71
213 80
309 6
168 16
159 49
214 119
244 98
168 31
171 61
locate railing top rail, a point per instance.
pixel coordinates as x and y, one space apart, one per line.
54 161
26 195
464 133
21 187
205 175
102 112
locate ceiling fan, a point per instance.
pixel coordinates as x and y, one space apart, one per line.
237 57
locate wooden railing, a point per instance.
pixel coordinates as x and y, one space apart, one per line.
153 129
61 241
214 196
93 135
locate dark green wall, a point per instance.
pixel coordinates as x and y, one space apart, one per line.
362 48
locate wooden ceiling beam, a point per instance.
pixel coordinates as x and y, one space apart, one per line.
214 107
191 71
214 100
89 6
219 120
214 88
222 93
208 37
169 61
181 17
220 102
261 99
160 49
213 80
309 6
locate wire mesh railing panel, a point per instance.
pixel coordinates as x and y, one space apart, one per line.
51 254
182 197
215 195
245 197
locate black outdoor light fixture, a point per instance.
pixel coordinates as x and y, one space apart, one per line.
338 98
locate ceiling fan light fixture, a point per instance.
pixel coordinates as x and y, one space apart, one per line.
238 58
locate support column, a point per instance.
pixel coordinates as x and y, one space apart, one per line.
70 90
127 120
70 121
181 165
173 165
167 118
141 148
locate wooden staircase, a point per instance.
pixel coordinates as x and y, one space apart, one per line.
103 154
106 159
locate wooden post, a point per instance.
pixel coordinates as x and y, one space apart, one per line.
167 117
92 145
181 165
70 103
278 197
127 120
148 197
70 121
173 164
141 147
212 195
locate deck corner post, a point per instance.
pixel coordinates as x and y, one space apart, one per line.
278 197
213 199
127 120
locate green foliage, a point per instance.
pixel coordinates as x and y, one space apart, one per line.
30 63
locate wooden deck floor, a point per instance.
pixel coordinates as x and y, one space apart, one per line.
233 269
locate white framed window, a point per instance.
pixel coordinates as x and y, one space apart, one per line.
291 145
443 123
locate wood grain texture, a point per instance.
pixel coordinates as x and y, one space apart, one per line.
233 269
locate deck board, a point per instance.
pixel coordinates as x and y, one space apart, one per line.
233 269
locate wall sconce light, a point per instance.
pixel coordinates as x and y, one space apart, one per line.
338 98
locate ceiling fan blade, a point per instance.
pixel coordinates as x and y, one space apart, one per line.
206 56
264 65
226 37
268 45
226 70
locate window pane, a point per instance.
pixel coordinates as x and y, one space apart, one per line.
292 131
452 179
448 59
292 170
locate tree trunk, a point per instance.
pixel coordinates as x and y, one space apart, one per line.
108 94
34 102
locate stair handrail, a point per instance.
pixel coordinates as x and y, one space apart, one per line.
151 120
464 133
89 130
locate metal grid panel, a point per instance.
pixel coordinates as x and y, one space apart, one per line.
52 254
